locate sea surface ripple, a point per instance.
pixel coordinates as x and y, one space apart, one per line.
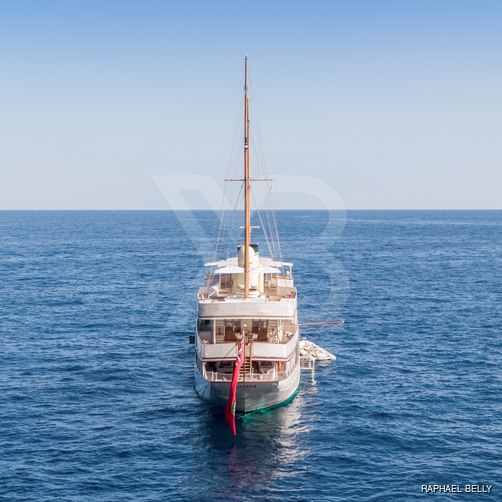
96 374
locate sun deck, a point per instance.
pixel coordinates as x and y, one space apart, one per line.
215 291
270 279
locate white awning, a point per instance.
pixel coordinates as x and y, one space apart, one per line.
265 269
231 269
263 262
273 263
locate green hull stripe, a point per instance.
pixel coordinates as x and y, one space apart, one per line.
275 406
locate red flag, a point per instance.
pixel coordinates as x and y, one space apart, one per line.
230 410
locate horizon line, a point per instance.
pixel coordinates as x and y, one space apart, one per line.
274 209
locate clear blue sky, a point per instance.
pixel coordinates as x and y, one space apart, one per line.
396 104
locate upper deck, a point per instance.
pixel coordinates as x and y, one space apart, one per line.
270 279
272 293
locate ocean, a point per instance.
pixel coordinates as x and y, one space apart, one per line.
96 373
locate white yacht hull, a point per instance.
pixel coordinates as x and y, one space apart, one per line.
251 396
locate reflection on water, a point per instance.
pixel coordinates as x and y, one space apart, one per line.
267 446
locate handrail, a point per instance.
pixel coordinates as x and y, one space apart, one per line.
276 339
273 376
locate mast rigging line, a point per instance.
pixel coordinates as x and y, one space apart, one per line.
260 157
227 223
227 194
269 243
232 161
233 215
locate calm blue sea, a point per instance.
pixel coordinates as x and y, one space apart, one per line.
96 380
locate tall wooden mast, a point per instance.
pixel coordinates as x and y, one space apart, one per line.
247 208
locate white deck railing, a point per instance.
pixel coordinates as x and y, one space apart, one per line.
217 293
252 376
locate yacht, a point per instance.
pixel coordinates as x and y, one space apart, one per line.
247 355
